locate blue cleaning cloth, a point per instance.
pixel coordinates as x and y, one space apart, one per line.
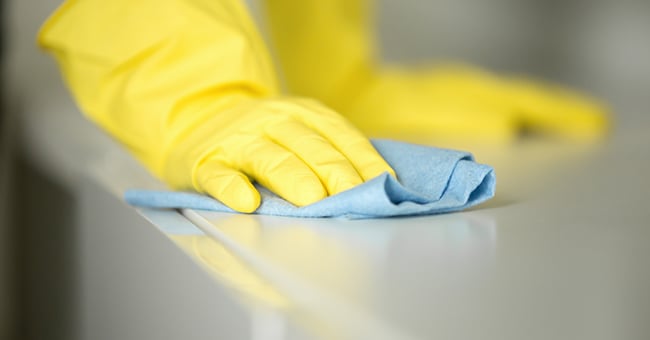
431 181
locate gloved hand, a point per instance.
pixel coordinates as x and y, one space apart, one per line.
297 148
187 86
327 51
451 103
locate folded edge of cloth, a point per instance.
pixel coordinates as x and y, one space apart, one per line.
431 181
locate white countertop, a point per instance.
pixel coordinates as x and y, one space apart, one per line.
561 252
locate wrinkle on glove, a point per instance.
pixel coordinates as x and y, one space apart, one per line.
431 181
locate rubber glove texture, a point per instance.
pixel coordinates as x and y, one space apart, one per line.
187 86
297 148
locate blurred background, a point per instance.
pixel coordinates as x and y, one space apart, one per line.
599 46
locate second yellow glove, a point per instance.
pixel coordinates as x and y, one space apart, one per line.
459 103
327 50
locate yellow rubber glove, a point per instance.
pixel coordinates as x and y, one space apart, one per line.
456 103
295 147
327 51
188 87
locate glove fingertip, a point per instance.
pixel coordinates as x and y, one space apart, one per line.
376 168
308 190
246 200
237 193
346 185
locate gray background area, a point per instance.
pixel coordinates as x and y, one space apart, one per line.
601 46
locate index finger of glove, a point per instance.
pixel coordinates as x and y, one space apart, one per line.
332 167
281 171
349 141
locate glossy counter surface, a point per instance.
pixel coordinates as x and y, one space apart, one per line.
560 253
